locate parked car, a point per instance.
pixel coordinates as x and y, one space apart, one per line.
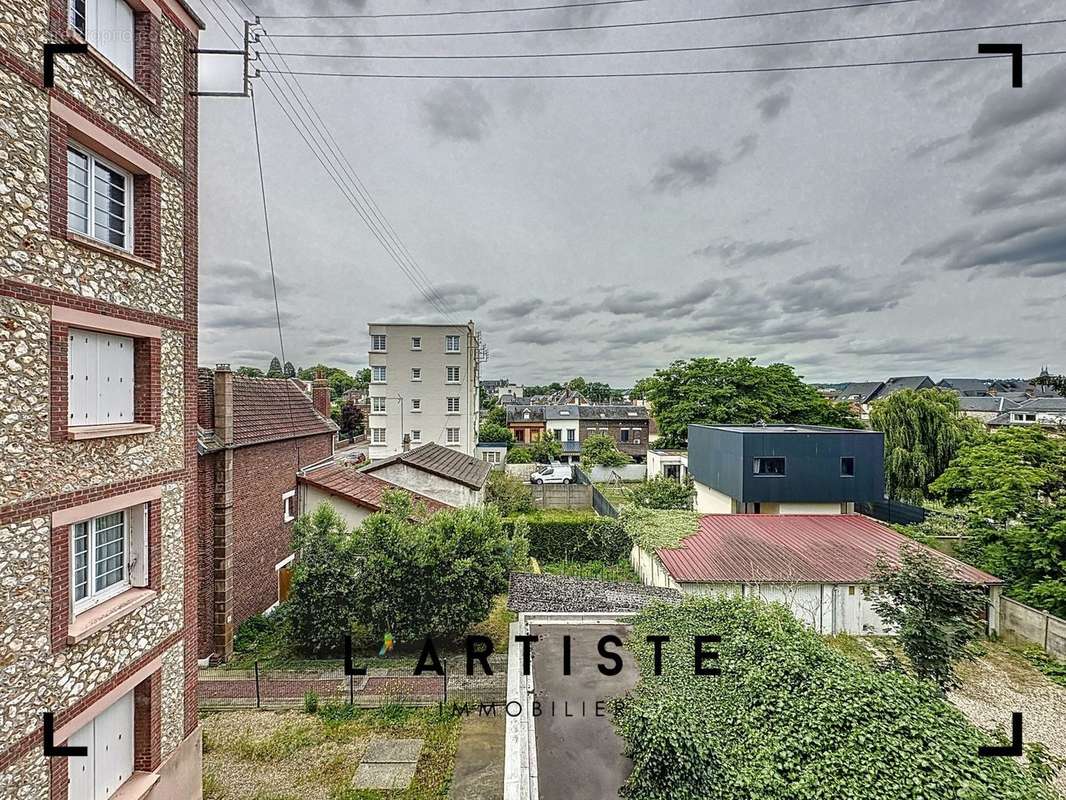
553 473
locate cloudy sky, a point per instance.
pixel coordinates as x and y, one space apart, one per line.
856 223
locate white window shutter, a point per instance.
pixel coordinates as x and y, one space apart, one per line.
113 742
83 397
115 380
138 550
123 41
80 770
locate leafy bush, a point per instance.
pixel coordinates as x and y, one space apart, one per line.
436 576
255 632
596 570
663 492
519 454
574 536
321 605
651 529
494 432
509 494
790 719
310 702
599 449
546 449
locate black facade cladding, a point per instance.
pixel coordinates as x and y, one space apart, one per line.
723 458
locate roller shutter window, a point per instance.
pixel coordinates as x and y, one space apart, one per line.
101 379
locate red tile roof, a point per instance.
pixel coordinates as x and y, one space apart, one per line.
345 480
792 548
272 409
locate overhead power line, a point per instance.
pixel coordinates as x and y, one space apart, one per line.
672 73
464 12
651 50
603 26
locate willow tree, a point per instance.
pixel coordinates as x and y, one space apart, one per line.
923 433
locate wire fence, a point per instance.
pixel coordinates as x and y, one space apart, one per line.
221 688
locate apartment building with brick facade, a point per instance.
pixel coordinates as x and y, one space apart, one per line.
98 478
255 434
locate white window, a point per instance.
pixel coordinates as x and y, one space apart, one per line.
377 343
451 344
109 554
416 436
416 373
108 740
377 436
416 342
288 502
99 199
453 405
492 456
416 404
452 435
453 375
377 405
377 374
108 26
100 371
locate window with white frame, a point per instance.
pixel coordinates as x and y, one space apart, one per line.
491 456
416 404
108 26
377 436
377 405
452 435
99 199
108 763
453 375
416 373
377 343
288 503
100 379
453 405
416 342
377 374
109 554
416 436
451 344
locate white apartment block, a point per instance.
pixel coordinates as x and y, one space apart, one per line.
423 387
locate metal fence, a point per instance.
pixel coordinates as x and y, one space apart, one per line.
222 688
893 511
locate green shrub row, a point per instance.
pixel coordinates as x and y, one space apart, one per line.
573 536
791 719
654 528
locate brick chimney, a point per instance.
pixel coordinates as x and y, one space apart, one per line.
224 403
320 395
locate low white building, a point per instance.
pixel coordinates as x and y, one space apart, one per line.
668 463
436 471
352 493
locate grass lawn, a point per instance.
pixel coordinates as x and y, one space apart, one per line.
264 755
615 493
597 570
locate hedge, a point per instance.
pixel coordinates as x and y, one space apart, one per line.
791 719
573 536
654 528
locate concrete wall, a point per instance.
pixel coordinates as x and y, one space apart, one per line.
650 568
557 495
1017 621
711 501
312 497
417 480
629 472
810 508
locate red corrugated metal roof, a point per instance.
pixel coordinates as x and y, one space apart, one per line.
792 548
365 490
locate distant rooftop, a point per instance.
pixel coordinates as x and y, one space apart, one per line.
785 429
555 593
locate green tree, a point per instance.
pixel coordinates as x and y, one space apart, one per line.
577 385
321 606
340 381
495 414
491 432
289 370
662 492
546 449
922 434
362 379
275 370
351 420
250 372
935 615
509 494
734 391
519 454
599 450
458 560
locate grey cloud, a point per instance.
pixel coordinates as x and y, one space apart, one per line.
772 105
1009 107
458 111
534 335
1033 247
833 291
1001 194
931 146
746 146
244 319
516 309
328 340
230 283
926 347
733 252
689 170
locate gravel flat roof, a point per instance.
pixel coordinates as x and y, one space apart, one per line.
556 593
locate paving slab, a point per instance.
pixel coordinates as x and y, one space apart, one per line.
479 760
393 751
383 776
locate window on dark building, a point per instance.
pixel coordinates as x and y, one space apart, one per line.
768 465
847 467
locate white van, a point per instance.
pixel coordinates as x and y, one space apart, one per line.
553 473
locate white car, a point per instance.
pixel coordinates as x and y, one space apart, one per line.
553 473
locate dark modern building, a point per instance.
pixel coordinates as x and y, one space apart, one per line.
784 469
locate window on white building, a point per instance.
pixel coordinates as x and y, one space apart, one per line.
377 405
108 763
288 504
416 373
377 343
416 342
377 374
108 26
416 404
100 372
452 435
99 199
453 405
109 554
453 375
451 344
377 436
416 436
